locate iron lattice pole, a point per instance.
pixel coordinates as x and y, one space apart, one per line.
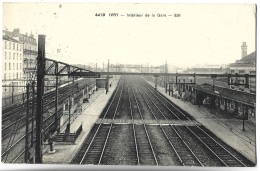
57 104
33 107
27 125
107 82
40 91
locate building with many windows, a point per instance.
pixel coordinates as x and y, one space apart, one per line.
30 52
12 62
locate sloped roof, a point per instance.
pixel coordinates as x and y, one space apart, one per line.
5 37
249 58
247 61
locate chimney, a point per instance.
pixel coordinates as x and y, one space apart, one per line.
244 49
31 35
16 30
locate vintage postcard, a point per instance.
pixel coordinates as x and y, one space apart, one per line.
129 84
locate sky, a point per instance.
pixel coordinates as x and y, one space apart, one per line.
203 34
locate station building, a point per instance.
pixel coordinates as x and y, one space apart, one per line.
234 100
227 101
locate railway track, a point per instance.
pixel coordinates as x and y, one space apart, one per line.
185 155
151 143
14 151
92 150
225 156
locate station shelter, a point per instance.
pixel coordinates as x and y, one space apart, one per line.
231 102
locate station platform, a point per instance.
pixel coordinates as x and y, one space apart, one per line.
64 153
228 130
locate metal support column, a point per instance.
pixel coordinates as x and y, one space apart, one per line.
166 78
12 92
26 125
33 108
40 91
194 76
57 124
243 118
247 81
155 82
68 126
107 82
176 82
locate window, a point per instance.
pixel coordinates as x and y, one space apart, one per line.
20 65
17 47
13 75
13 56
9 66
13 46
9 55
20 75
5 77
20 56
20 47
241 71
5 44
17 66
13 66
9 76
17 75
5 66
252 73
5 55
9 45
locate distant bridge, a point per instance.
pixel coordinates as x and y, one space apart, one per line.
87 74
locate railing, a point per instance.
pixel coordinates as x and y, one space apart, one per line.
71 137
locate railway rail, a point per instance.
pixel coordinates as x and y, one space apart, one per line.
92 149
151 143
14 119
224 154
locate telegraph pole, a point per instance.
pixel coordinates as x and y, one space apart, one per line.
33 108
244 110
107 82
214 77
166 71
12 92
57 103
27 125
40 91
